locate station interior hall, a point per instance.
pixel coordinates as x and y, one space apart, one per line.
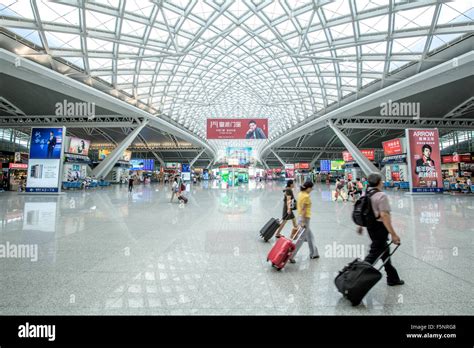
145 145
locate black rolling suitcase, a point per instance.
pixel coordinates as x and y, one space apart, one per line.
356 279
269 229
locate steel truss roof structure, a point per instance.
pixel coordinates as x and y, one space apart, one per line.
192 60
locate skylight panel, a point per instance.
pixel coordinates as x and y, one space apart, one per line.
100 63
373 25
139 7
415 18
316 36
15 8
57 13
108 3
63 40
335 9
99 45
363 5
100 21
343 30
133 28
456 12
375 48
410 44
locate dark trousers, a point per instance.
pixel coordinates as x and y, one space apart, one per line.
379 236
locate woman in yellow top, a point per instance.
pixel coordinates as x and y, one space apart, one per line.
304 214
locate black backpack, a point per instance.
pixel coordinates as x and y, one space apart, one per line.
363 214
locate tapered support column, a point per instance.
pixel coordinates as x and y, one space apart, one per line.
364 164
108 163
159 159
279 158
196 158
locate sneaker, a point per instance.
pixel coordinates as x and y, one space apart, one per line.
292 261
314 257
398 282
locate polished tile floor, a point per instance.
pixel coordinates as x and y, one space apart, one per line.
108 252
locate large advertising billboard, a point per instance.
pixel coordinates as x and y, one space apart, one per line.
290 171
44 165
239 128
424 160
368 153
238 155
126 156
79 146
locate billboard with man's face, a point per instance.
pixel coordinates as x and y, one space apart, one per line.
237 128
424 160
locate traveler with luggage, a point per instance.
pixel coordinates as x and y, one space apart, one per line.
174 188
359 187
351 190
289 204
303 206
181 190
379 226
339 190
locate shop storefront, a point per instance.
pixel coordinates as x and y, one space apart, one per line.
17 173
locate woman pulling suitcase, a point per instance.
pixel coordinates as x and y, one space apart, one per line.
289 204
304 215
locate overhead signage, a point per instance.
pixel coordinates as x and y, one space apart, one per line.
304 165
368 153
325 166
238 128
142 164
424 160
17 166
392 147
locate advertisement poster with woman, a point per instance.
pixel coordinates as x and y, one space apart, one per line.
424 160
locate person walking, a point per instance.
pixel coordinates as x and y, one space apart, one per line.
303 206
289 204
130 183
351 190
380 228
339 190
174 188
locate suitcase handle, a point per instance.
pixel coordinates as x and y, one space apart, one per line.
389 255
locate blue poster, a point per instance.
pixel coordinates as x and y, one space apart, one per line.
46 143
185 168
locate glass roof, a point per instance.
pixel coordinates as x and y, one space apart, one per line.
283 60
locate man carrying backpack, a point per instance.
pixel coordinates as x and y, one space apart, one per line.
373 211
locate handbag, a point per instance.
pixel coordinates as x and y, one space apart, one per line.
293 204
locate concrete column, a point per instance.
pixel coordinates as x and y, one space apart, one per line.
278 158
108 163
196 158
313 161
159 159
364 164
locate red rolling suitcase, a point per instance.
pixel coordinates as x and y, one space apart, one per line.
282 251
